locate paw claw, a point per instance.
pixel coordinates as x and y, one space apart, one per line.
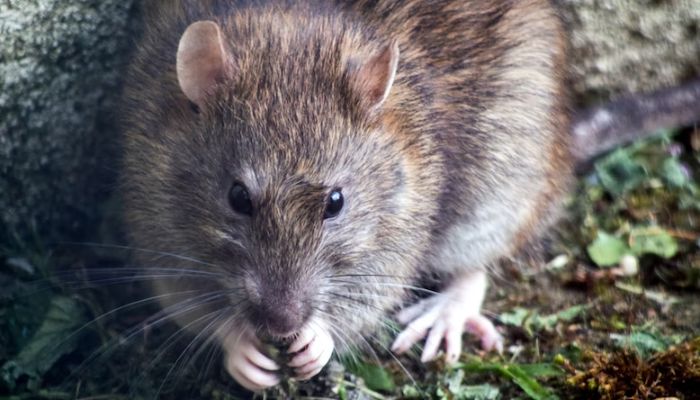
432 343
248 365
444 317
253 378
453 344
415 331
257 358
484 329
316 345
304 338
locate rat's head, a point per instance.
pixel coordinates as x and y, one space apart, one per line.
279 167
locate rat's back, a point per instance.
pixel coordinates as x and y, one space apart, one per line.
486 80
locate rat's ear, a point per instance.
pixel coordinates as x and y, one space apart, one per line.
373 77
201 60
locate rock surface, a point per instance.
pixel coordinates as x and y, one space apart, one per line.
61 61
621 46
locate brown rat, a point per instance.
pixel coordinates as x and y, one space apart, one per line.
318 158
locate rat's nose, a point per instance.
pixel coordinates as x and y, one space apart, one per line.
279 316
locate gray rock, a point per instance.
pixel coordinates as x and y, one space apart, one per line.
60 64
622 46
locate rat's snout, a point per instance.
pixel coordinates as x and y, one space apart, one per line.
278 313
279 319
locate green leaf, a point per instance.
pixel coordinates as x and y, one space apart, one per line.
664 299
653 240
454 379
532 321
528 383
410 392
619 172
515 373
643 343
375 376
567 314
51 341
572 312
478 392
442 394
673 174
607 250
542 370
20 315
342 391
690 197
548 322
516 317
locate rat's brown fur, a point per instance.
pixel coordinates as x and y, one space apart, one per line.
465 162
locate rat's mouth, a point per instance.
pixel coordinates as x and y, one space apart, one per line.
283 340
279 331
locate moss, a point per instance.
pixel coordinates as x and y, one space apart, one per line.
623 374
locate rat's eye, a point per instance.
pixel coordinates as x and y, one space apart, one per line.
240 199
334 204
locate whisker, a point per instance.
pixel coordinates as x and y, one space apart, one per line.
348 329
213 353
367 295
216 350
135 268
138 249
386 349
381 319
382 310
164 347
58 279
160 317
398 285
410 278
212 338
374 338
173 338
192 342
403 367
335 331
116 310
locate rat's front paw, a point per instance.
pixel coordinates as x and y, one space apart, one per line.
311 351
247 364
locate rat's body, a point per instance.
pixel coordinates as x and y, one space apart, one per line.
443 124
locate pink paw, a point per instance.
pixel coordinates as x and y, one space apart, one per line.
483 328
313 349
248 365
255 371
445 317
